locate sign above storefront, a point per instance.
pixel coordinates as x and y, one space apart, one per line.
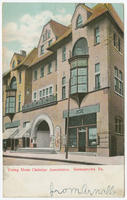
82 111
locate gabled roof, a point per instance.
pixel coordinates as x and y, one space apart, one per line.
100 9
57 28
65 35
38 59
18 57
28 59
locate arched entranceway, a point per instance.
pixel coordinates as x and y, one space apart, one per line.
43 135
42 132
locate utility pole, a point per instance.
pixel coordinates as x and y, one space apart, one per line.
67 128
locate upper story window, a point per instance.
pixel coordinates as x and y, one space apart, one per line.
35 75
35 96
50 91
97 76
13 64
49 68
10 104
114 39
13 84
119 44
80 47
19 103
42 71
97 35
56 65
118 81
42 49
63 53
40 94
79 21
49 42
64 87
20 77
118 125
49 33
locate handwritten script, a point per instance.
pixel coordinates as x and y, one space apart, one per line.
83 189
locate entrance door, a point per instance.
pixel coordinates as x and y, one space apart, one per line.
81 139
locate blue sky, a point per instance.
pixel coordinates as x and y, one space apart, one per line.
23 22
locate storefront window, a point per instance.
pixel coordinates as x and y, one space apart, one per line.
72 140
92 139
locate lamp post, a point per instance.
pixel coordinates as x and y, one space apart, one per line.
67 127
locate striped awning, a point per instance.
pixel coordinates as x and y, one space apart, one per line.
22 132
8 133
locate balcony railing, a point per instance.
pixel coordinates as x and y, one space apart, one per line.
44 102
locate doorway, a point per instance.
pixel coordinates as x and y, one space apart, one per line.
82 139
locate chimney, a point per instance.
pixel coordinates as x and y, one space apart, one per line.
23 53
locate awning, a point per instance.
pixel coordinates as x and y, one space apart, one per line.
8 132
22 132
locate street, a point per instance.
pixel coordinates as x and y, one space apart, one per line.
18 161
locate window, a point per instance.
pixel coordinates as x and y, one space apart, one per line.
49 33
19 103
92 138
114 39
118 82
79 21
49 42
80 47
40 94
64 87
97 35
55 65
119 44
47 91
20 77
63 53
49 68
35 75
97 76
42 72
118 125
13 64
10 105
79 80
72 137
42 49
43 92
50 91
35 96
13 84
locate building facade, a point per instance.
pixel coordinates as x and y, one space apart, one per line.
70 86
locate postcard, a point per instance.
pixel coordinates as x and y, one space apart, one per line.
63 100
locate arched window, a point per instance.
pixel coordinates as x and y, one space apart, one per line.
80 47
13 84
79 21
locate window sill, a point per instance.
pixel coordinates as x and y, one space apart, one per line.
92 146
49 73
95 44
119 94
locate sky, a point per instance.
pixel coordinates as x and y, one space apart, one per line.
22 24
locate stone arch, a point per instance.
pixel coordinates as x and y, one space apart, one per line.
38 120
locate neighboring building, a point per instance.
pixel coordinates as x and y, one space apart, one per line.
89 52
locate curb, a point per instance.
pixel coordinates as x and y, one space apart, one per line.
51 159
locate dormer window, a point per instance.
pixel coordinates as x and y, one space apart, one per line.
13 64
42 49
49 33
79 21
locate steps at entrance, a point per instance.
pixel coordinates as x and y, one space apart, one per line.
37 150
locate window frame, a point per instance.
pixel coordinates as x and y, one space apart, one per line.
50 68
42 70
42 49
79 21
95 145
20 77
63 53
96 35
97 77
35 76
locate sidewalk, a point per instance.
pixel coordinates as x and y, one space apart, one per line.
72 158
